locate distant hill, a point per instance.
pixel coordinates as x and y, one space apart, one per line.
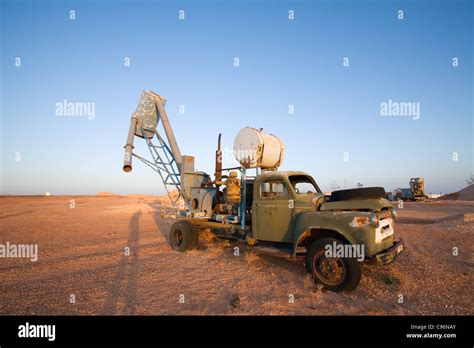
466 194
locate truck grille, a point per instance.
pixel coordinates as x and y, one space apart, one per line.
383 230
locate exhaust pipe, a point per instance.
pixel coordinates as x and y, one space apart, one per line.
127 160
218 173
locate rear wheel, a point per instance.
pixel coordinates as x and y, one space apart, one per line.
183 236
335 273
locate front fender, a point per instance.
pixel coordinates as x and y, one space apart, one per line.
346 223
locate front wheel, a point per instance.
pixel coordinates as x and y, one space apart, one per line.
335 273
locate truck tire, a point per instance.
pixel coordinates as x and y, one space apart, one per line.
336 274
183 236
358 193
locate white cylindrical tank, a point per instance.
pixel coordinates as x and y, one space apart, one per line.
253 148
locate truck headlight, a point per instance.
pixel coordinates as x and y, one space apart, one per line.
374 220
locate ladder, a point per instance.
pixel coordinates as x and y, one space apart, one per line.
165 165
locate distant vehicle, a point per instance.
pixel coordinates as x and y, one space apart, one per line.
417 186
404 194
415 193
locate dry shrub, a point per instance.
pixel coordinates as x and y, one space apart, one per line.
215 246
250 257
308 281
206 235
468 217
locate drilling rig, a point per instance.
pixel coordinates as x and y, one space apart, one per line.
276 210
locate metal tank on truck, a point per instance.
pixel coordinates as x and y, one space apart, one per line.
267 208
253 148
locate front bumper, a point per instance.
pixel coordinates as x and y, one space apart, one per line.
389 255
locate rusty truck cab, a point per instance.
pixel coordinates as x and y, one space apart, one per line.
277 197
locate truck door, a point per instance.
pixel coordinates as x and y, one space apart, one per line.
272 210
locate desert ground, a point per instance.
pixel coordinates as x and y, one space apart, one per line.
82 241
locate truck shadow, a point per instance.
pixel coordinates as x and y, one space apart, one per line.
124 284
295 265
163 224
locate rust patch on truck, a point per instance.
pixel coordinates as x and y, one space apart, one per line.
359 221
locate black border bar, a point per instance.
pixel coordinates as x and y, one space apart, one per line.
193 330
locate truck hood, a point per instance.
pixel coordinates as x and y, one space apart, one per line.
357 204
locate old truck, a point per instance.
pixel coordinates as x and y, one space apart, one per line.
280 210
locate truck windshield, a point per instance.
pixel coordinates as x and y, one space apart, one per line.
303 184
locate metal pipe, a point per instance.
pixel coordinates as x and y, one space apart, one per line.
127 160
218 173
232 168
168 130
243 201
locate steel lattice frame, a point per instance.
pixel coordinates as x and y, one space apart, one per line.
164 164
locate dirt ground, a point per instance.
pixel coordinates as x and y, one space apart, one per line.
81 253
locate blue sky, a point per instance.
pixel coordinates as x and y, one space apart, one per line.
282 62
